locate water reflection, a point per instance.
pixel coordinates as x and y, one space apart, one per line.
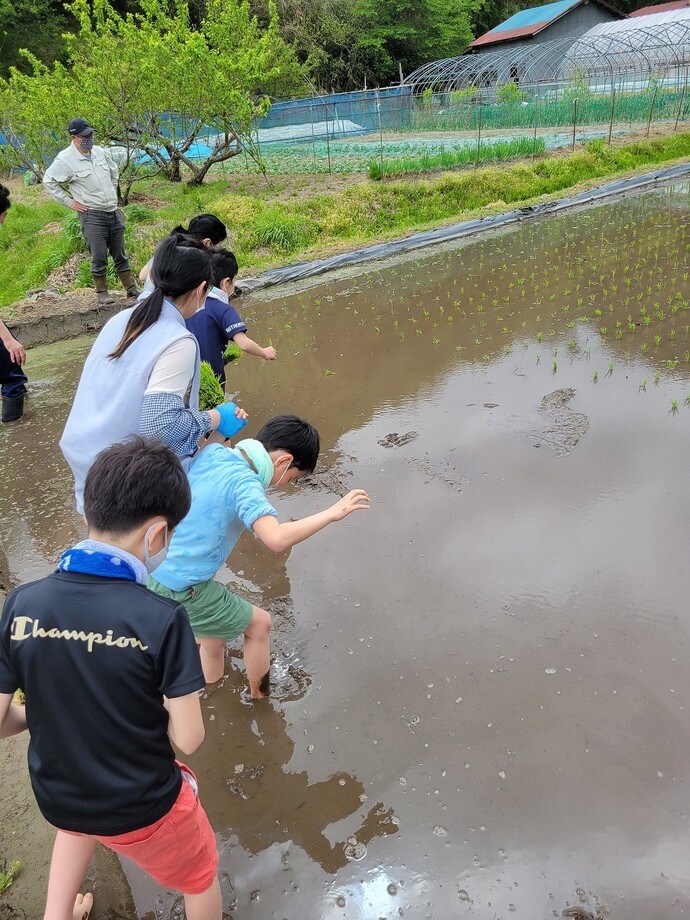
254 798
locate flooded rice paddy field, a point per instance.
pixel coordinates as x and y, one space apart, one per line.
482 691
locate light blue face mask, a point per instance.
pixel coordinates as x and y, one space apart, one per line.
259 456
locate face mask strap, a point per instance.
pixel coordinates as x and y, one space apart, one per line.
147 549
282 475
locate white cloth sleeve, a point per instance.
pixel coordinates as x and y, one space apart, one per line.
174 370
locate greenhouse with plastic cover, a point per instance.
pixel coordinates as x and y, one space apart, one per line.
624 55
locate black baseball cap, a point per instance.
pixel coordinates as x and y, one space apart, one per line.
79 127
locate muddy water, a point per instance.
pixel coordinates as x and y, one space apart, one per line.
482 693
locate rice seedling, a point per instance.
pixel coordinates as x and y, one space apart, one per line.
595 377
8 874
643 386
674 407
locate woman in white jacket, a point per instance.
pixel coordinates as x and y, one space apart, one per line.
142 373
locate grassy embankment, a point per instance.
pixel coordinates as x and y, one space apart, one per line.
296 219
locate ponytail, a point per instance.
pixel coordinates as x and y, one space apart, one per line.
177 270
145 315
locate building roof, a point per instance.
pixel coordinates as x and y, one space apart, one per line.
661 8
527 23
658 23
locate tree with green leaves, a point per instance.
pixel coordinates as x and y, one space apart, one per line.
172 97
394 34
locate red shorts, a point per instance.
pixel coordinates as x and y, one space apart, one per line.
179 851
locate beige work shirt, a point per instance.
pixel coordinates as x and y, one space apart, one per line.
92 180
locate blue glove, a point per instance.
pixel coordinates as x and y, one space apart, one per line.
229 423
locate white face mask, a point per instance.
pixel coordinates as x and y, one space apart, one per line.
152 562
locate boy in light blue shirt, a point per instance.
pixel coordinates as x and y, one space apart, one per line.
228 496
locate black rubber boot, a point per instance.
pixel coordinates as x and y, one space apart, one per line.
102 293
12 408
129 284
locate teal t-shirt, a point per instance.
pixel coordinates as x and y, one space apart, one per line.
227 497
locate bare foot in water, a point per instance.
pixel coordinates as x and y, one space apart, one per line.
82 906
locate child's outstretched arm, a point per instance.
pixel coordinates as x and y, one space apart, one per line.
249 346
12 717
280 537
186 724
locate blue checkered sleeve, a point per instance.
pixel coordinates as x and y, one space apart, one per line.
165 416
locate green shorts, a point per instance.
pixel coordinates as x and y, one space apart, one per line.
214 612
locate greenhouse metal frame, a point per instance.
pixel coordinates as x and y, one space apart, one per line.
618 56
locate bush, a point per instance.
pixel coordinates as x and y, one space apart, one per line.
211 393
276 229
375 171
509 92
139 214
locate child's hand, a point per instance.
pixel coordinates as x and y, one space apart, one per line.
356 500
270 354
240 413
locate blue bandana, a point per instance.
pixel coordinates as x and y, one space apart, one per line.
93 558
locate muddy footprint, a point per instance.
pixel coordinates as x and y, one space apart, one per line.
398 440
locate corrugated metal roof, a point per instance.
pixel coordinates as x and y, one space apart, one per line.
660 8
535 16
529 22
525 22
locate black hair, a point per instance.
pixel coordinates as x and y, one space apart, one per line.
177 270
223 265
133 481
5 203
297 437
204 227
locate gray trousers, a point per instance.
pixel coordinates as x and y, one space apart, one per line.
104 232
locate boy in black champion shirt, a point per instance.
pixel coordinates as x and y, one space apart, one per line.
111 673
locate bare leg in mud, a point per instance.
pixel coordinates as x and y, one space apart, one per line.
71 856
205 906
257 655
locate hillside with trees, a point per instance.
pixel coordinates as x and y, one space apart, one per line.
342 44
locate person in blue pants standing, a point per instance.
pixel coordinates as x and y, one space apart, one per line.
13 380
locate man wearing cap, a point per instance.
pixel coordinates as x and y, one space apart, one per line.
91 177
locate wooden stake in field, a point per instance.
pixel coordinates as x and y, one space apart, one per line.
682 100
479 130
313 143
328 133
651 109
613 107
378 115
574 120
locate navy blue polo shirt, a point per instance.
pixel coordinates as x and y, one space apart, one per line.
213 327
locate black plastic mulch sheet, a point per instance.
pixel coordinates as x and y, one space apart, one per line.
302 270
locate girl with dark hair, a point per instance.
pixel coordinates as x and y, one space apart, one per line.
207 228
219 323
142 373
13 380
